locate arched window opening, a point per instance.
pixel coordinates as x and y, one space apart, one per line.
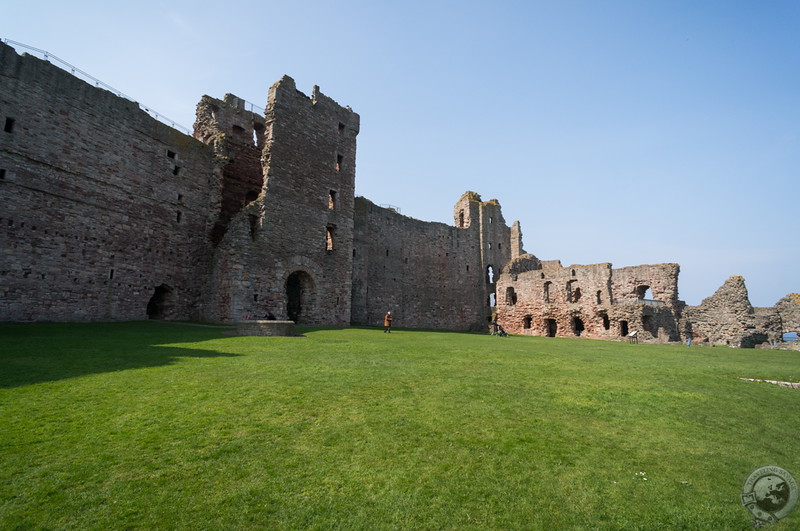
526 322
599 297
644 293
511 296
299 296
577 325
490 275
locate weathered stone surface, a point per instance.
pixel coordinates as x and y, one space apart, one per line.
108 214
728 318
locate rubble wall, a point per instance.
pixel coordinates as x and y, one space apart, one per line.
101 206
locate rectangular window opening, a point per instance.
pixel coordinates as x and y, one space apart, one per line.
171 154
341 128
175 170
2 173
332 200
329 239
339 160
178 216
9 127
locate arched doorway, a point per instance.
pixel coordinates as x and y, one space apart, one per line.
159 304
299 293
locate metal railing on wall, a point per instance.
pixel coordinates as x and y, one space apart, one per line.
77 72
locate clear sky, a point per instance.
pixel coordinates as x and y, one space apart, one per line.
630 132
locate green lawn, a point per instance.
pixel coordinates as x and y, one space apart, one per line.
170 426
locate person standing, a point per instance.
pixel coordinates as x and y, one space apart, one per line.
387 323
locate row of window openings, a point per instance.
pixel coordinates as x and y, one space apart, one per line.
578 325
573 295
461 220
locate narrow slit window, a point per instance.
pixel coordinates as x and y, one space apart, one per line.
332 200
178 216
329 239
339 160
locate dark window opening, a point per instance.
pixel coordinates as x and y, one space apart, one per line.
175 170
158 306
623 328
332 200
387 252
467 267
606 322
552 327
9 127
547 291
499 246
178 216
577 326
171 154
511 296
180 197
576 295
238 129
299 293
341 128
461 219
339 159
526 322
599 299
111 274
354 253
2 173
490 219
542 275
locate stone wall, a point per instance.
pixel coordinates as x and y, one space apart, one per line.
430 275
104 211
592 301
289 251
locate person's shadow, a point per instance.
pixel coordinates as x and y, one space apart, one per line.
34 353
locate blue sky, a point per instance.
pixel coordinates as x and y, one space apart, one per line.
626 132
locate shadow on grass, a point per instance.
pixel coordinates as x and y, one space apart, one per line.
35 353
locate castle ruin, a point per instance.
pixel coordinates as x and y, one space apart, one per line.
109 214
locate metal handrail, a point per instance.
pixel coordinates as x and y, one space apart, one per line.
47 56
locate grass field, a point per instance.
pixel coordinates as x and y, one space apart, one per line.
170 426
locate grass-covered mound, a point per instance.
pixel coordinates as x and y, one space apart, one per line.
153 425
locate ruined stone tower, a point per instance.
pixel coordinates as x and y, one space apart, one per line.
288 250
